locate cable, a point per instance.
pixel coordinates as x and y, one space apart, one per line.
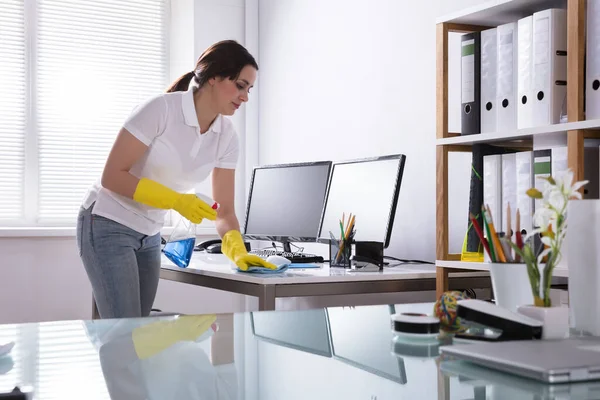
408 261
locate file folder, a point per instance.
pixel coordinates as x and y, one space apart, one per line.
550 65
470 83
480 151
591 173
509 191
592 85
492 187
506 81
524 161
525 74
489 58
542 168
559 161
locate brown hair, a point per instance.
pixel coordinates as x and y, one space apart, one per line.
224 59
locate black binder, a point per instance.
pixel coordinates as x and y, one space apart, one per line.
471 83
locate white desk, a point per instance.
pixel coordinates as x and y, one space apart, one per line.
217 272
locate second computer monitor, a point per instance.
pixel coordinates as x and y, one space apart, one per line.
285 202
368 189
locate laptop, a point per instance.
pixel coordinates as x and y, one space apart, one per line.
550 361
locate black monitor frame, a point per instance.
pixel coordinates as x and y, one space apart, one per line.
285 240
393 206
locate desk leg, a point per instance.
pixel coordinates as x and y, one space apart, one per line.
95 313
266 300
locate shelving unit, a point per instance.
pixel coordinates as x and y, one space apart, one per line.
576 130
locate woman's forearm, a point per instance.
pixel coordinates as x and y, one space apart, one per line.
120 182
226 223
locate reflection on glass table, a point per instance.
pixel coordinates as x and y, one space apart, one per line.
361 337
305 330
334 353
502 385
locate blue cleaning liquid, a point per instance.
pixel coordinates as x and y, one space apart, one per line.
180 252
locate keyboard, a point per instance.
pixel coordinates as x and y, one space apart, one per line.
295 258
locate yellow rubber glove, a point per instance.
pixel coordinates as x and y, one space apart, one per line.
157 195
233 247
154 337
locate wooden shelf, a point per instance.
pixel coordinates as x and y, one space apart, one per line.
492 13
522 134
478 266
497 12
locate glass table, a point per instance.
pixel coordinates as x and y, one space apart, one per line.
333 353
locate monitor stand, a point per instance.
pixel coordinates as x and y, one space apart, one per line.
286 246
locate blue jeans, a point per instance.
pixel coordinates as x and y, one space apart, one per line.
122 265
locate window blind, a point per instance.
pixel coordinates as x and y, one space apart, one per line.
68 363
13 90
11 370
96 60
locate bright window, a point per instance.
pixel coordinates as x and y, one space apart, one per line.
71 72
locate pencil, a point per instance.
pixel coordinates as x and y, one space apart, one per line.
480 234
495 239
518 239
508 222
489 235
508 235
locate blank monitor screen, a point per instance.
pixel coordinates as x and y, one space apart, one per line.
287 201
369 190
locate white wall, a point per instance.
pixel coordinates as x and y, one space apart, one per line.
42 278
342 80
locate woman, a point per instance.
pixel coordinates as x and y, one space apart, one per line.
166 147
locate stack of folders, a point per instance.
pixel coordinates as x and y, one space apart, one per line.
506 179
514 76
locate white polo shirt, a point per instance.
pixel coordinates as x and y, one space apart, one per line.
178 157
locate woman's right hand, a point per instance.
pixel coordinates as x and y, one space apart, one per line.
190 206
194 209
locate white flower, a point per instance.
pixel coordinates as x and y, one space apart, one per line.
542 255
542 218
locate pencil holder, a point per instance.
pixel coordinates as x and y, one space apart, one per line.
340 253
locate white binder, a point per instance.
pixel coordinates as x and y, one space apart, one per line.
509 191
506 82
492 186
488 80
524 160
592 89
559 161
549 65
525 74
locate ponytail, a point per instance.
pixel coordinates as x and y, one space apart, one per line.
223 59
182 83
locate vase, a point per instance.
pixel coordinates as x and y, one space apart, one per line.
511 286
555 320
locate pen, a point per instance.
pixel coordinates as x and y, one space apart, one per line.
508 234
519 238
489 235
505 247
480 234
495 239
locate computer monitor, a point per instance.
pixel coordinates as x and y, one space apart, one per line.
286 201
367 188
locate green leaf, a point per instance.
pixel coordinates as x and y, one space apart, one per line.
535 194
